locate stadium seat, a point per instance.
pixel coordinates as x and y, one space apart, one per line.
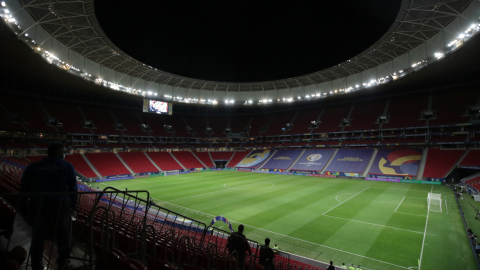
236 158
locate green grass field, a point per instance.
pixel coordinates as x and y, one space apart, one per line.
379 225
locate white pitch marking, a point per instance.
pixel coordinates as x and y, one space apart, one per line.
341 195
372 224
345 201
399 204
411 214
416 197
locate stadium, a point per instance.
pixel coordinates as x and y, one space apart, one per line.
363 153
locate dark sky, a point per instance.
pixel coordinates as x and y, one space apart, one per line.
242 41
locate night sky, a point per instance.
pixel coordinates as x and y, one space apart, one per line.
241 41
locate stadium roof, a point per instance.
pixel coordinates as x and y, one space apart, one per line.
75 24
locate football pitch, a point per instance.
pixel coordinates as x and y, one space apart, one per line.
378 225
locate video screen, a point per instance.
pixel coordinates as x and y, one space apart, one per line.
156 106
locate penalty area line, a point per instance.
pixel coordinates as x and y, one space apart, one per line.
399 204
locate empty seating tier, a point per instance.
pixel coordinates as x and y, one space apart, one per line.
439 162
81 166
221 155
471 159
188 160
107 164
237 157
165 161
138 162
205 158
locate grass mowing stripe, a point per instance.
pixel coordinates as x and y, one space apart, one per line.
344 201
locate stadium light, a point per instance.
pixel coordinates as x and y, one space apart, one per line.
250 101
3 4
461 36
307 96
357 86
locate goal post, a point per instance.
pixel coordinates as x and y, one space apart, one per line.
174 172
434 202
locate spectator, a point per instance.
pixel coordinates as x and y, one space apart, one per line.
331 267
275 249
237 246
51 174
343 266
352 267
267 256
358 268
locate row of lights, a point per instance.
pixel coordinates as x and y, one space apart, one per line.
51 58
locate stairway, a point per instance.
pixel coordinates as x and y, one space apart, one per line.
330 161
158 168
124 164
421 167
179 163
293 163
273 153
91 166
370 163
193 153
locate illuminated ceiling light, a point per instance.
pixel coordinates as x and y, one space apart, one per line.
3 4
269 100
461 36
331 92
372 81
39 49
307 96
250 101
155 94
26 34
318 94
357 86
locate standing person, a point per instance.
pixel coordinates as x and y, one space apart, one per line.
237 245
267 256
331 267
343 266
51 174
352 267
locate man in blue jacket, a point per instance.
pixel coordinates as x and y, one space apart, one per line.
50 175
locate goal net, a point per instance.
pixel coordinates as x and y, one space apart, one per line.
435 202
168 173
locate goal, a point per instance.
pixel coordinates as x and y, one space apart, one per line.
434 202
168 173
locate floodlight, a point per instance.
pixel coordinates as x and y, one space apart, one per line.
357 86
3 4
461 36
26 34
307 96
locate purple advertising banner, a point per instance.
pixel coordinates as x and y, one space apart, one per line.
401 162
282 159
350 160
313 160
